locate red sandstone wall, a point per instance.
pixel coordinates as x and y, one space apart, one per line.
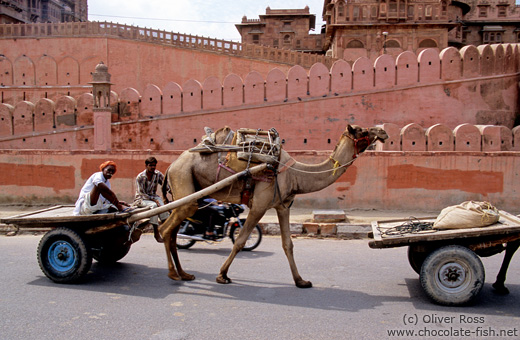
48 67
377 180
477 86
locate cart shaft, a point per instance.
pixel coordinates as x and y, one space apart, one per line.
196 195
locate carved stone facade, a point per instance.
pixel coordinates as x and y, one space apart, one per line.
34 11
282 28
489 22
369 28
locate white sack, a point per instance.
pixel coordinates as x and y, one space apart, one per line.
469 214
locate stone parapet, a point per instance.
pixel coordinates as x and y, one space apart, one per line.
149 35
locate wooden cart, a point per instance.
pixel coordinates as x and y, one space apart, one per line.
65 253
447 261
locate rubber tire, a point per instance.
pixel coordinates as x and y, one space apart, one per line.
51 249
468 268
416 258
111 254
235 230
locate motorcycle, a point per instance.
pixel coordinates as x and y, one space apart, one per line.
225 221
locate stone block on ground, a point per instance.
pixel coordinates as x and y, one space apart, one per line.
311 228
328 216
274 228
352 231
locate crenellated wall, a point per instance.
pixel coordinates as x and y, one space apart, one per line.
476 86
450 116
48 60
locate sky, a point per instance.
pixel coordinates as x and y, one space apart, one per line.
208 18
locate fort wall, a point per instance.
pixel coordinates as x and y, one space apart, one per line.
427 181
51 59
451 117
476 86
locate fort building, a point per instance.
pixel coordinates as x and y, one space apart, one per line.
369 28
283 28
33 11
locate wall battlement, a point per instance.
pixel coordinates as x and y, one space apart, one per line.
476 86
161 37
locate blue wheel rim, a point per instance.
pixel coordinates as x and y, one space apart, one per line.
62 256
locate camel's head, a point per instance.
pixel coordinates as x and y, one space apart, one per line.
364 137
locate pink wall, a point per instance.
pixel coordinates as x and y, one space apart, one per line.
48 67
377 180
311 105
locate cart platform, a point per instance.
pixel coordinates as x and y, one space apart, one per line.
61 215
507 225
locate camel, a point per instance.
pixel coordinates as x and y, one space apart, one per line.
511 248
195 171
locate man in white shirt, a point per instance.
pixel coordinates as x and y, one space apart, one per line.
96 195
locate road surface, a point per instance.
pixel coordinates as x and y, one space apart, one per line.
358 293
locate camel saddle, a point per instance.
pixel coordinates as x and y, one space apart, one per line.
243 147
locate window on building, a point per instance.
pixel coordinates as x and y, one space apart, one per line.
411 10
256 39
382 10
298 43
482 11
373 12
355 13
392 44
428 11
426 43
365 12
286 24
287 39
275 42
392 9
492 37
341 11
444 8
355 44
502 11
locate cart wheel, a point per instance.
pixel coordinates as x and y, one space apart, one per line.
110 246
111 254
416 258
452 275
63 256
254 238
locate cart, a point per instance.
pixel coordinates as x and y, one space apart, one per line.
65 252
447 261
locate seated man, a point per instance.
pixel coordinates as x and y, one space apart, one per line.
146 193
96 195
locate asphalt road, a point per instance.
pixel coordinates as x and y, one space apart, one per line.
358 293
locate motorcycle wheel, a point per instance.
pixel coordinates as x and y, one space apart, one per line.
184 243
253 240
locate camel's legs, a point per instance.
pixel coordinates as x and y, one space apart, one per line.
169 231
499 286
252 219
287 244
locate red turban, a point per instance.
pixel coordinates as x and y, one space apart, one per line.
107 163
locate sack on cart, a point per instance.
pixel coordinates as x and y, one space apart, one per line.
469 214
